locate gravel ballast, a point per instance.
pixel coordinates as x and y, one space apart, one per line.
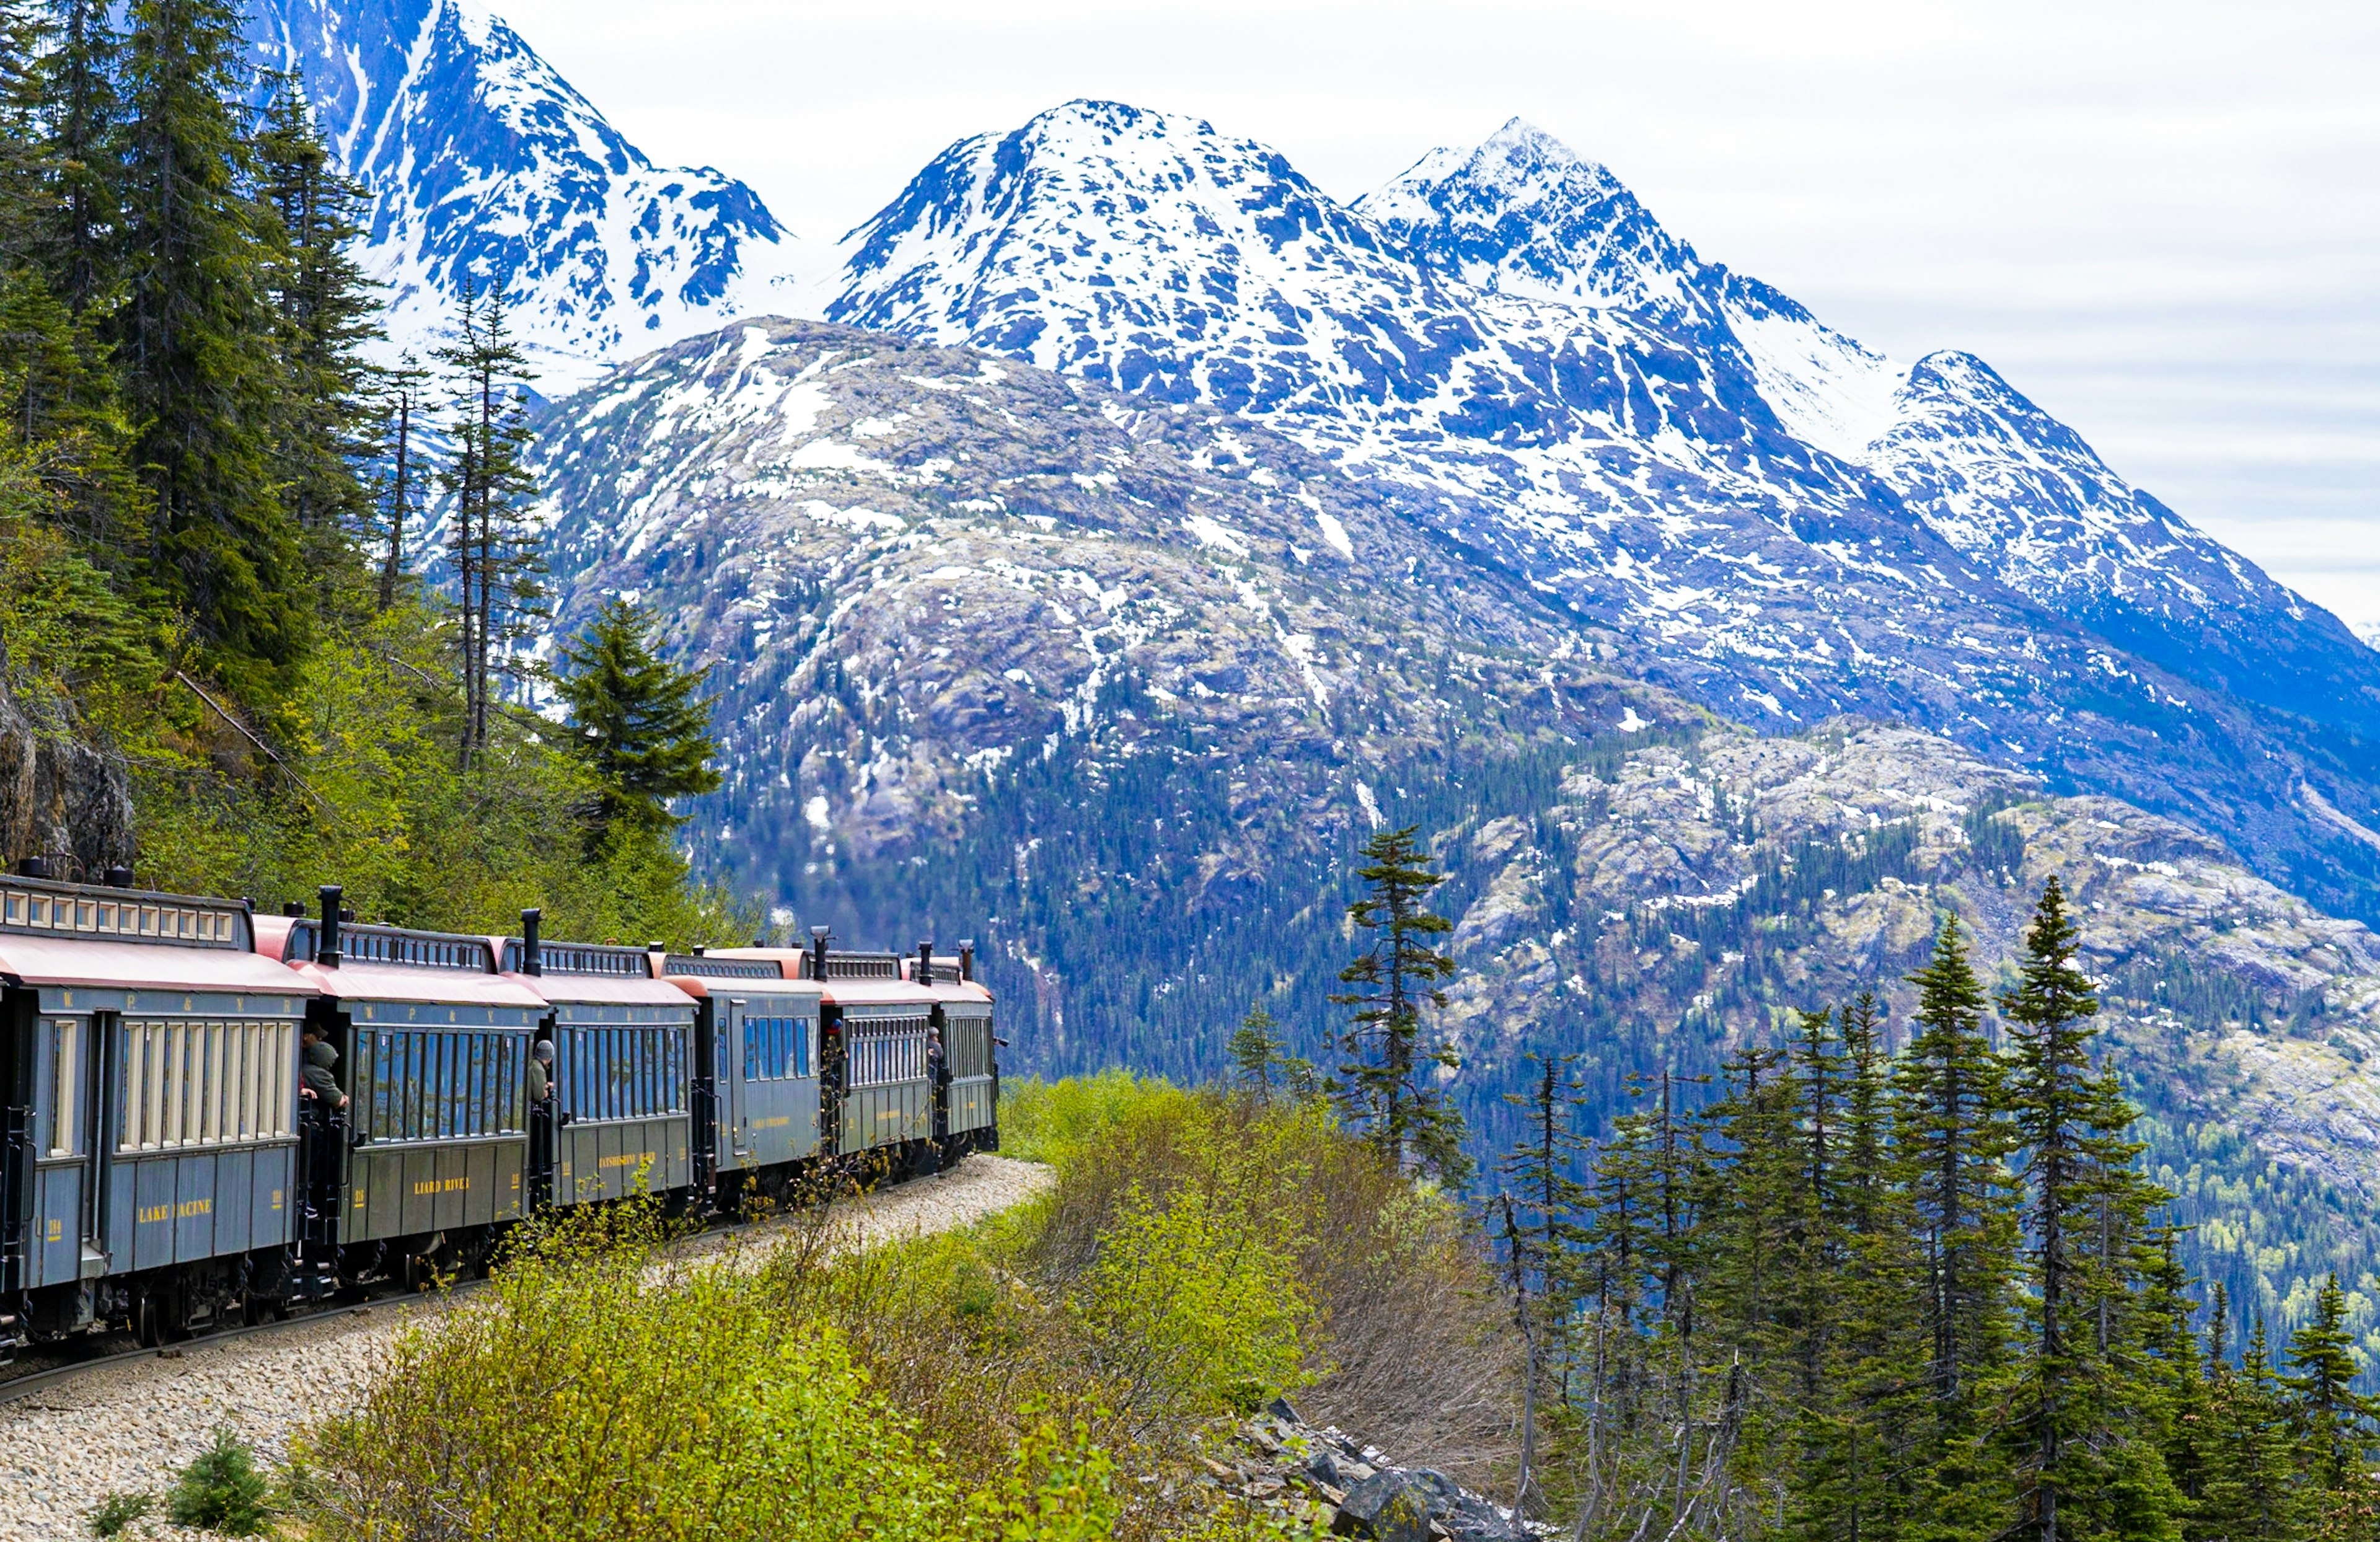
64 1448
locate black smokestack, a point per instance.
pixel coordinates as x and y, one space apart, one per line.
326 945
819 936
925 962
532 943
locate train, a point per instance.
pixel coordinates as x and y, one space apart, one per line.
178 1151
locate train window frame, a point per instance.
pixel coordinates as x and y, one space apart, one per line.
66 1034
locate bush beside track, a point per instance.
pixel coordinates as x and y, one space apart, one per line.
1055 1372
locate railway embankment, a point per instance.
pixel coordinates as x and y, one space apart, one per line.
1191 1314
130 1427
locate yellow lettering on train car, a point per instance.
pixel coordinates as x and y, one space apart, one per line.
194 1206
777 1122
276 1199
360 1200
57 1231
441 1185
628 1158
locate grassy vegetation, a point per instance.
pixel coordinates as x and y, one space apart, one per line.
1051 1374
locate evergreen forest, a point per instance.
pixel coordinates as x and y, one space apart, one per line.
1838 1291
210 619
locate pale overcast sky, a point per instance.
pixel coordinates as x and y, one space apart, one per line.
2162 222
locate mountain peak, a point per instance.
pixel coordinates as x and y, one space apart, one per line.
489 166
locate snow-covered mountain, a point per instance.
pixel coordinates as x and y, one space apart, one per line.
485 164
1684 466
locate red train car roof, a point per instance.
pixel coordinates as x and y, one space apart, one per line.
459 977
67 934
69 961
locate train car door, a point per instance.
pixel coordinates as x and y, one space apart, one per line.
738 1117
18 1030
101 1057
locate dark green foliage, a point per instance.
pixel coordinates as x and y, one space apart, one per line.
197 337
1388 1087
637 722
119 1510
2332 1419
1861 1297
188 484
327 313
1262 1064
223 1490
1950 1128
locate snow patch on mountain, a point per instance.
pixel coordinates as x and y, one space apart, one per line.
488 168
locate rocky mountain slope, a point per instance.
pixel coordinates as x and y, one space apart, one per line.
485 164
1776 523
1122 683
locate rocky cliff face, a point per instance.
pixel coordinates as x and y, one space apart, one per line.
59 797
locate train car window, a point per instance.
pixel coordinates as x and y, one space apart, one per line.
152 1131
458 1082
241 1056
67 1034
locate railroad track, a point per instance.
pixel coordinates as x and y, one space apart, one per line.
22 1382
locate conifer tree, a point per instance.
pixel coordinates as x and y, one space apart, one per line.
2252 1489
81 116
498 563
1541 1174
2333 1421
2084 1211
1948 1128
1258 1056
1544 1207
328 313
637 722
1389 1086
195 337
401 386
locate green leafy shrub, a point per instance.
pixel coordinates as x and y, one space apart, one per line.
1050 1121
1195 1296
223 1490
985 1386
119 1510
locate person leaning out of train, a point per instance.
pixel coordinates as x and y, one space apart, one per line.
540 1073
933 1057
316 1079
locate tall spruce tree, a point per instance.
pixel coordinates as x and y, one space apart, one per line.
2333 1421
2251 1490
1258 1056
1389 1086
196 341
1948 1127
328 312
497 557
639 724
83 145
402 401
2085 1214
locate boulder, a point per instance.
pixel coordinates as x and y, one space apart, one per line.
1386 1507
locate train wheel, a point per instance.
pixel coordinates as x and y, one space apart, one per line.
149 1320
